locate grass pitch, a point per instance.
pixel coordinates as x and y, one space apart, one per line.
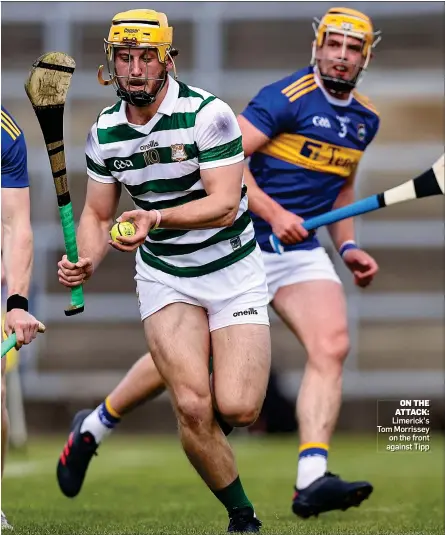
144 485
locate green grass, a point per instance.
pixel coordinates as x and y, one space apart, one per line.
144 485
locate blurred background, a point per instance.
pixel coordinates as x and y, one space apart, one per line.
233 49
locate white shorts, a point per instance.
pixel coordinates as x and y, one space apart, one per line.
292 267
234 295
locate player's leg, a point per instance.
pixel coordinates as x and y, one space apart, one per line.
180 344
142 383
311 301
241 363
89 428
315 311
5 432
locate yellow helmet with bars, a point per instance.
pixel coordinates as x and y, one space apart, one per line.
138 28
350 23
141 28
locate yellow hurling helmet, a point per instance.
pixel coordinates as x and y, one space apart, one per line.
350 23
138 28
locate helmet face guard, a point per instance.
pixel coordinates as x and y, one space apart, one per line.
138 29
348 23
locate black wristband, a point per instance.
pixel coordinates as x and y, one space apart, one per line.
16 301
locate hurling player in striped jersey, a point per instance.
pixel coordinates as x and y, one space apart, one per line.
306 135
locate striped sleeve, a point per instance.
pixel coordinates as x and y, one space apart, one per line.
217 136
96 168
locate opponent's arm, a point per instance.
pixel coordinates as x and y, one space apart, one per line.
360 263
17 244
285 225
259 202
344 231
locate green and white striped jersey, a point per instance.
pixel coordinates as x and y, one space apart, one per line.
159 164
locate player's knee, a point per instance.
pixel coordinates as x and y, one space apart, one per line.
239 413
330 350
193 409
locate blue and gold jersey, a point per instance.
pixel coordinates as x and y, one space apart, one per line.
14 156
316 143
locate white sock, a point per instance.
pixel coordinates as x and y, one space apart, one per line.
312 464
99 423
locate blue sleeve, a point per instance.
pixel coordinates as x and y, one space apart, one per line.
268 111
15 165
373 130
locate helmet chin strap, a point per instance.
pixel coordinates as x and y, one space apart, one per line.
140 99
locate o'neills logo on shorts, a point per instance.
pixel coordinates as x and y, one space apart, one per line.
250 312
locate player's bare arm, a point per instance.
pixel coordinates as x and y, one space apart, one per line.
362 265
343 231
285 225
93 233
17 258
17 239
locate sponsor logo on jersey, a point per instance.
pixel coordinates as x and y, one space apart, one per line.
250 312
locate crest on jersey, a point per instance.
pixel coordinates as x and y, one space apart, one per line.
178 153
361 132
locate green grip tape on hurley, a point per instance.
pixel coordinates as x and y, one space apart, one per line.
8 344
69 235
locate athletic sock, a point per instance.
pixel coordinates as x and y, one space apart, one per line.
233 497
101 421
312 463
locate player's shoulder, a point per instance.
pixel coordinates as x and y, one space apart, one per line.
365 104
289 88
110 116
199 101
186 91
11 132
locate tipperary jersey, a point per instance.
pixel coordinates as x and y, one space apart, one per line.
316 143
14 156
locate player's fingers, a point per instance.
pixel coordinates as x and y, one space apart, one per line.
75 270
8 328
20 335
27 334
137 239
123 248
126 216
71 281
83 262
294 235
66 263
303 233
